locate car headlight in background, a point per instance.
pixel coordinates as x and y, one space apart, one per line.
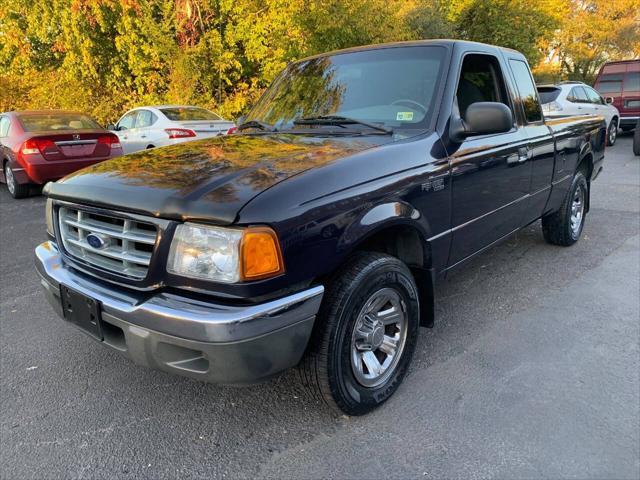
224 254
48 214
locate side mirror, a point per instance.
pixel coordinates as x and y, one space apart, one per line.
482 118
609 100
112 127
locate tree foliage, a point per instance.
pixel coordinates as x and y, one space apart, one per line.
105 56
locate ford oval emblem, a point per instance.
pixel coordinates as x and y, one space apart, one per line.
97 241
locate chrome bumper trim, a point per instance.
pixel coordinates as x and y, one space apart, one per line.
177 315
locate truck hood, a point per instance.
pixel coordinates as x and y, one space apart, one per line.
208 180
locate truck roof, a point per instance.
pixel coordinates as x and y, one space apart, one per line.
411 43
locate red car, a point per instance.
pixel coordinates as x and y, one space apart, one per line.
619 84
41 146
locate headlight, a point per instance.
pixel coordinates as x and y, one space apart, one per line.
224 254
48 214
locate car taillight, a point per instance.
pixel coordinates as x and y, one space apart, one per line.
111 140
179 132
232 130
36 145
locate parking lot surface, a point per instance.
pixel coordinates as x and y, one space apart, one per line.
532 370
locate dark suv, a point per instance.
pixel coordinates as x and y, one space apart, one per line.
619 83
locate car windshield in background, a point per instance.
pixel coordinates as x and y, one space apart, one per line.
548 94
180 114
46 122
394 87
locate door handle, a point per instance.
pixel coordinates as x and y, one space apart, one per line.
523 154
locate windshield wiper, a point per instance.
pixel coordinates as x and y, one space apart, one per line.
257 124
339 120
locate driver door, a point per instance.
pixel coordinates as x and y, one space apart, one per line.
490 174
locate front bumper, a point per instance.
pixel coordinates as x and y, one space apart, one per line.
181 335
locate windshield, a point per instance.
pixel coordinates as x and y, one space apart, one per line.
394 87
45 122
183 114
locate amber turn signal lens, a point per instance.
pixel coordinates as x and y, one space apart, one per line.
260 254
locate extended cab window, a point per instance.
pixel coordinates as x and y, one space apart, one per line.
481 80
527 91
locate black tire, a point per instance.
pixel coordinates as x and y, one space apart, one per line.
327 368
15 189
626 128
636 140
612 133
557 227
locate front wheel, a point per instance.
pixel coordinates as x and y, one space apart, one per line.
564 226
365 334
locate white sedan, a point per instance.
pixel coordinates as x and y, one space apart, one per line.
159 126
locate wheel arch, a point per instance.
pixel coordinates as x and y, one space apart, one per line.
398 229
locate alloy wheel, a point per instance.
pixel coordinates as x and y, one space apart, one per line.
378 338
577 211
11 181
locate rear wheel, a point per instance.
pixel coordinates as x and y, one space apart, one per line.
15 189
564 226
365 334
612 134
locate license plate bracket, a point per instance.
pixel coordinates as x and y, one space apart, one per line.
81 310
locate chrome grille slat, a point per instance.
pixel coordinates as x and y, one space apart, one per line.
129 243
111 253
98 227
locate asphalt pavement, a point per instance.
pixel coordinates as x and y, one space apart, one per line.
532 370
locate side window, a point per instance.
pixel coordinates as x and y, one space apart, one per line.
128 121
527 90
578 95
145 119
481 80
593 96
632 82
4 126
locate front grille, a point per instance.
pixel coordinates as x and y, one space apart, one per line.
124 245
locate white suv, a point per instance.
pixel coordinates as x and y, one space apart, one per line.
149 127
577 98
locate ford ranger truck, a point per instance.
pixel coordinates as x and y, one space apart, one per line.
315 236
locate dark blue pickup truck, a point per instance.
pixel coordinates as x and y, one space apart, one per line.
315 236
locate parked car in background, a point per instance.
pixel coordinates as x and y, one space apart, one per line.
577 98
316 234
159 126
619 84
41 146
